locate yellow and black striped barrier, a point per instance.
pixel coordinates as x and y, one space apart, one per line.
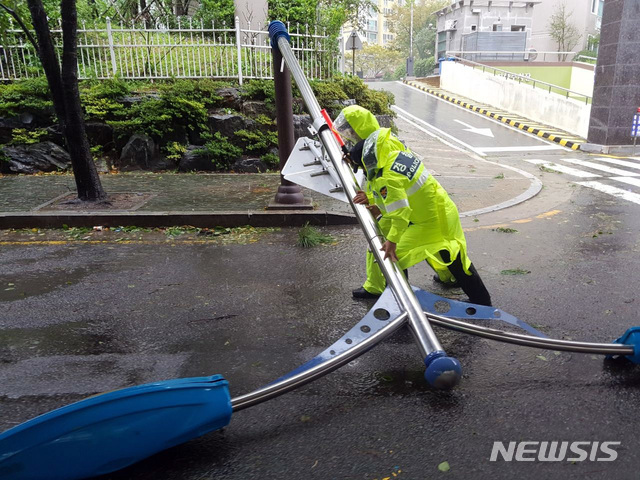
573 145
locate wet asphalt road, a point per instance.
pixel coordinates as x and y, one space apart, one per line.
123 309
457 123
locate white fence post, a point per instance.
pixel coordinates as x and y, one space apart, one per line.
239 47
112 52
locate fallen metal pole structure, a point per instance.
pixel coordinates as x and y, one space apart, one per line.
441 371
529 340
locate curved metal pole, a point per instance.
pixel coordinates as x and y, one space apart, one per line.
528 340
270 391
425 338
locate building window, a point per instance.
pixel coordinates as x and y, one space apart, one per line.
594 6
474 28
372 37
517 28
497 27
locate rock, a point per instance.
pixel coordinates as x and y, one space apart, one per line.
385 121
346 103
249 165
99 133
230 98
54 134
228 124
140 152
34 158
195 159
6 127
301 123
256 108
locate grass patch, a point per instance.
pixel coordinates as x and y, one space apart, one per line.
505 230
309 237
515 271
499 176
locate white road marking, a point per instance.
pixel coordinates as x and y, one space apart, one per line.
622 163
631 181
616 192
480 131
563 169
506 125
436 129
602 168
521 149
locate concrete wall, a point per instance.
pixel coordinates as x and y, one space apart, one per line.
582 80
534 103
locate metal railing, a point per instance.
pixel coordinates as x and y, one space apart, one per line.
515 55
525 79
184 49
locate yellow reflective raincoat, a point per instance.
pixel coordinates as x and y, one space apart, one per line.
417 213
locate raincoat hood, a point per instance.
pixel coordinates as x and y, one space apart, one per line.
361 120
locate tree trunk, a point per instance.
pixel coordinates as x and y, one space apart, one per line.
65 94
84 170
48 57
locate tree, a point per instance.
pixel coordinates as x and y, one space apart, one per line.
326 15
563 32
63 83
424 31
374 60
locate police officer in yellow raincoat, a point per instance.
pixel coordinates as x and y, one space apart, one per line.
419 220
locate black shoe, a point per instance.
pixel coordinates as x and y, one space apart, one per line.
453 284
362 293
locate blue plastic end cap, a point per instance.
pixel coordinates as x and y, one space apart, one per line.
442 372
278 29
631 338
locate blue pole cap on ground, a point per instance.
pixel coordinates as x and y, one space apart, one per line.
631 338
278 29
442 372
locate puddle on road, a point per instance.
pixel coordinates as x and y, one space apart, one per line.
24 285
73 338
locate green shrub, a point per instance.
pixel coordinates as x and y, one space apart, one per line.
377 101
175 150
221 151
259 89
328 92
203 90
271 160
424 67
257 140
27 137
30 95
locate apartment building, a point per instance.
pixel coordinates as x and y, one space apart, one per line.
485 25
377 27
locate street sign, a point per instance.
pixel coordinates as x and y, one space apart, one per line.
353 42
635 127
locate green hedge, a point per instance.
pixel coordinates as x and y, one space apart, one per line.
172 111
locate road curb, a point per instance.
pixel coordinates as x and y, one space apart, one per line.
173 219
536 131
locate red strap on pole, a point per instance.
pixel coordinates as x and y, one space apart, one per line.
327 118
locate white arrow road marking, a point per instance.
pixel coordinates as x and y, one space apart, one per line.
480 131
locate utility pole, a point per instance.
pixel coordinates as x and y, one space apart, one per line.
410 59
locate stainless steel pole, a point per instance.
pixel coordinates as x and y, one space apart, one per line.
283 386
442 371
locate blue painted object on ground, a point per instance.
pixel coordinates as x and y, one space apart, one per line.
632 338
442 370
108 432
446 307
